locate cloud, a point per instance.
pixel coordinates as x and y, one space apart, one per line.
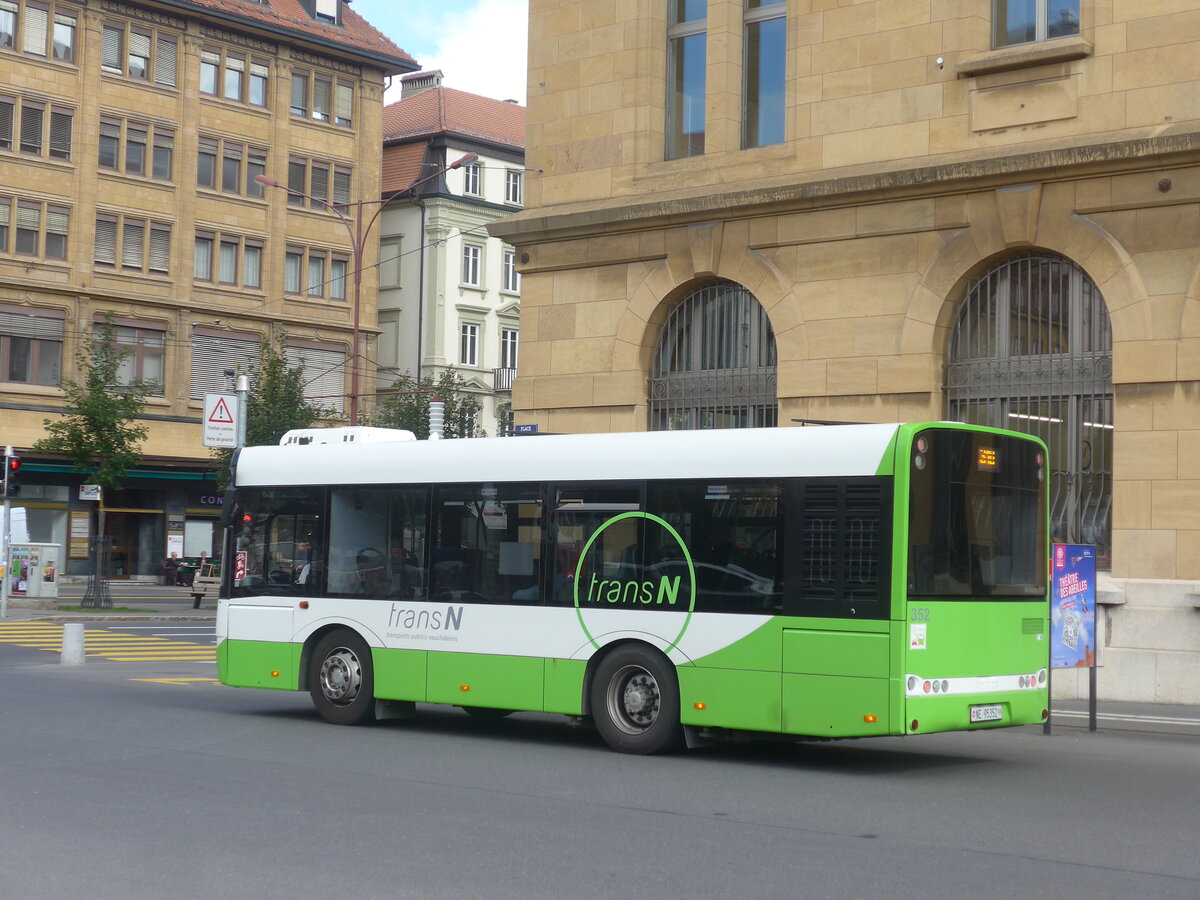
481 46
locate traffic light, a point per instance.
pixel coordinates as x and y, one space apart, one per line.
12 467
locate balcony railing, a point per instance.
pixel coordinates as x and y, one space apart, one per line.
502 379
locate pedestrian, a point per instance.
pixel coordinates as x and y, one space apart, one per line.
171 569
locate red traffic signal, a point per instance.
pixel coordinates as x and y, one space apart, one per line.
12 465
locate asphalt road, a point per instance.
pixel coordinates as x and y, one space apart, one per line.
137 780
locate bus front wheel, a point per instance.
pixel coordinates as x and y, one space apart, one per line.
635 701
341 679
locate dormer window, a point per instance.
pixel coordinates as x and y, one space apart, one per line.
327 11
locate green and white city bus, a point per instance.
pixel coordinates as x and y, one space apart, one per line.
826 582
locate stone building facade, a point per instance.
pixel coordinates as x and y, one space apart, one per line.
942 212
131 135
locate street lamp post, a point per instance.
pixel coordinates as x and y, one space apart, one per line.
358 237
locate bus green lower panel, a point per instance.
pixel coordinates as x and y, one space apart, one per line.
474 679
851 653
564 685
954 713
730 698
835 706
399 674
262 664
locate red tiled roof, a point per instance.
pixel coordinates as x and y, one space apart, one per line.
443 110
402 165
355 32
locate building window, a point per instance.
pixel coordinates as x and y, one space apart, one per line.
508 348
32 228
715 363
1025 21
318 184
323 372
238 166
512 187
143 349
30 347
1041 312
140 53
316 273
213 353
472 258
228 260
473 180
687 47
320 97
327 11
765 67
512 278
223 75
25 126
48 29
468 344
141 246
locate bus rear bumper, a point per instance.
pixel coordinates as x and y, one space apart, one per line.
925 715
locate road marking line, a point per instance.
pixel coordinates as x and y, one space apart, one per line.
184 680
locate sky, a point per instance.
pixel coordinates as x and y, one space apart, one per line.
480 45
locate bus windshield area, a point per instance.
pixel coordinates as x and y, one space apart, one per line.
977 517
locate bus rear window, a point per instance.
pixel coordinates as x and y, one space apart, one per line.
977 517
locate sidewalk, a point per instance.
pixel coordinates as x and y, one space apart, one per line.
129 600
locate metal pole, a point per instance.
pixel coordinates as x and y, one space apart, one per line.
1091 698
7 558
358 267
243 392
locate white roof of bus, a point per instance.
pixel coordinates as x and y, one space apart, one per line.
725 453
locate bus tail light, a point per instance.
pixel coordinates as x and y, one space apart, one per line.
700 705
915 725
870 719
1045 714
465 688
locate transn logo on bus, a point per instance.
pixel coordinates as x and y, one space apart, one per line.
593 592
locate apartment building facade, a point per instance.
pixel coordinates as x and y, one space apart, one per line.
747 212
132 136
449 293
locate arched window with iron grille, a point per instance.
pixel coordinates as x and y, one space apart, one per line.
1032 351
715 363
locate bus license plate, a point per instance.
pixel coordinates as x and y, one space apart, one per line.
993 712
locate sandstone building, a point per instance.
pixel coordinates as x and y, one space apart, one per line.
131 135
759 212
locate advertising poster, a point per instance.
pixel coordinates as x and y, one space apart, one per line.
1073 606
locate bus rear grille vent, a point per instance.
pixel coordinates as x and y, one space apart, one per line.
1031 626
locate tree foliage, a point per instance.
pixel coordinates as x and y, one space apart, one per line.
275 406
406 405
98 430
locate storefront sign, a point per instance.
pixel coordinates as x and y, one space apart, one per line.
81 532
89 492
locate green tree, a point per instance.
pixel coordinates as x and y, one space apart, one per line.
98 430
406 405
275 406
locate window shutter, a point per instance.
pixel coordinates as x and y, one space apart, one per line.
21 325
345 103
29 216
113 38
132 236
320 181
202 266
166 62
36 28
299 93
5 213
160 248
56 220
106 241
139 44
60 133
341 186
211 356
6 123
32 117
324 374
322 90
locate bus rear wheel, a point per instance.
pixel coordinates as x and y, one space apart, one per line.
635 702
341 679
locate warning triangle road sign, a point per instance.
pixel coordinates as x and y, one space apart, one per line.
221 414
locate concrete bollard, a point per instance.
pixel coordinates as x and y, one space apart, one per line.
72 644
